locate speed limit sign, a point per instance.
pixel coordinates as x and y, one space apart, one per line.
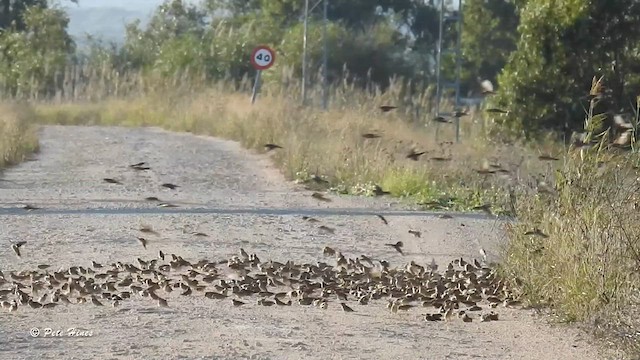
262 57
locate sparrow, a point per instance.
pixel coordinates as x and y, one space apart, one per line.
147 229
319 196
497 111
398 246
345 308
270 147
545 157
377 190
413 155
16 247
143 241
537 232
442 119
370 136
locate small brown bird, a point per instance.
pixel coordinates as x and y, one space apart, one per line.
140 166
112 181
387 108
371 136
398 246
383 219
310 219
486 208
148 229
415 233
319 196
16 247
170 186
162 302
345 308
270 147
377 191
545 157
537 232
237 302
143 241
497 111
460 113
327 229
442 119
413 155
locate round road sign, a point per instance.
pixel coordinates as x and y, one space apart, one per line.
262 57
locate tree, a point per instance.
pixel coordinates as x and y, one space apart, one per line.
489 37
32 58
563 44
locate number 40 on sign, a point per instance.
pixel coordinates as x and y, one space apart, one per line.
262 58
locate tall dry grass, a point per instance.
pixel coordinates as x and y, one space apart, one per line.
18 137
328 144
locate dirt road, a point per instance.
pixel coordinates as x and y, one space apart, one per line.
238 200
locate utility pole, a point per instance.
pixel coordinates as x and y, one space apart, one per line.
304 52
325 80
456 17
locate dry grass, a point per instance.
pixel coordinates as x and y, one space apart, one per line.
18 136
330 144
586 265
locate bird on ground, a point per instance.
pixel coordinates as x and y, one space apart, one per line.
377 191
413 155
152 198
387 108
398 246
170 186
16 247
415 233
319 196
112 181
270 147
485 207
30 207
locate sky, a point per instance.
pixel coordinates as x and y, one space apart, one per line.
106 18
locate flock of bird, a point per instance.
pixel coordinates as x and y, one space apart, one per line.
465 290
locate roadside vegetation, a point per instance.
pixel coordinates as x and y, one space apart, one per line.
574 249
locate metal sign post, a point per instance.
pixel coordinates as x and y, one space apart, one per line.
262 58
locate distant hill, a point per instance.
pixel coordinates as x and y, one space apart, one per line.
106 18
